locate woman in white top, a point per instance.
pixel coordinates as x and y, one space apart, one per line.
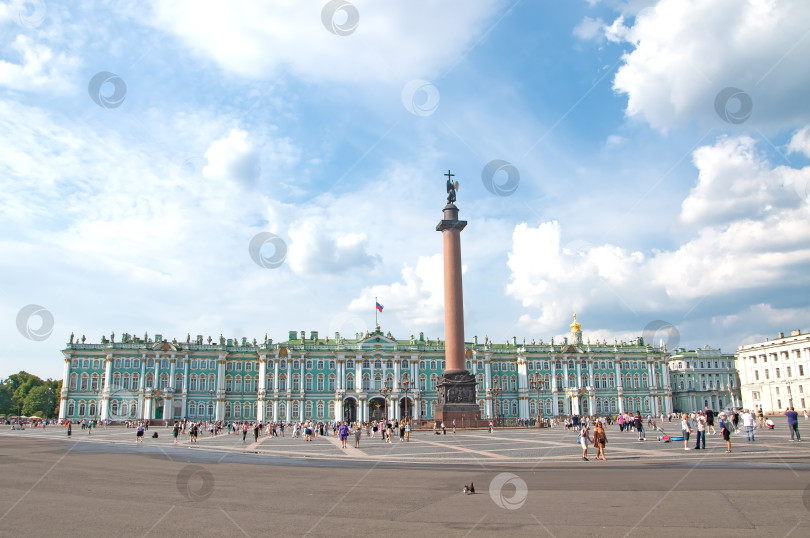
685 430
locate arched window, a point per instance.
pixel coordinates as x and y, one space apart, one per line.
178 381
114 407
584 379
227 407
377 381
331 410
150 363
71 410
308 410
228 383
559 382
296 382
150 381
74 379
295 414
133 409
116 381
247 410
349 382
164 364
211 382
366 382
320 387
433 380
308 383
423 382
85 382
644 381
320 410
377 364
366 364
350 364
164 381
268 412
331 387
82 408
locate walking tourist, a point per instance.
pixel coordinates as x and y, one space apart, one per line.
793 423
584 439
600 440
685 430
700 427
748 423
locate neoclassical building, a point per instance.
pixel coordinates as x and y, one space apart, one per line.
362 378
704 377
775 374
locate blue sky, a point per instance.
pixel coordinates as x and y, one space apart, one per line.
641 195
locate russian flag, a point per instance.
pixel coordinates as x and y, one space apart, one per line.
379 307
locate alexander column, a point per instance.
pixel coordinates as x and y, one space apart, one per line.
456 387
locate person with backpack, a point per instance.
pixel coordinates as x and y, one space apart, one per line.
584 439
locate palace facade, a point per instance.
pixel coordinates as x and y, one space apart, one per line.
775 374
368 377
704 377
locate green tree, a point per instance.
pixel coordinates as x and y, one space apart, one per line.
40 401
6 392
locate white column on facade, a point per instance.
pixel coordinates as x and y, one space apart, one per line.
289 379
261 391
104 413
184 398
579 374
276 418
397 372
358 373
523 388
64 393
219 407
488 386
171 372
275 383
619 384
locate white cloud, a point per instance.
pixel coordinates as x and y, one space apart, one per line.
317 248
763 244
233 158
40 68
589 28
417 299
687 51
393 42
800 142
734 183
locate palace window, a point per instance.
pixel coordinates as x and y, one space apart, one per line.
331 383
309 365
350 382
320 383
406 364
320 365
296 382
350 364
389 364
296 365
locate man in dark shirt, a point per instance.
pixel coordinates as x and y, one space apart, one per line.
710 420
793 423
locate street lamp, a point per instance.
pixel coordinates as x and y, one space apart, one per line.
405 388
495 391
210 398
386 391
538 385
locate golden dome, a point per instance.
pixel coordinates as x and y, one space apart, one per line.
575 327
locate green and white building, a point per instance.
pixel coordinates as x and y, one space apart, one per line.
362 378
704 377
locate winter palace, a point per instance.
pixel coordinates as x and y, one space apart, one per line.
370 376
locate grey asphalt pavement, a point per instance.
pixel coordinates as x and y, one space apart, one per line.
527 482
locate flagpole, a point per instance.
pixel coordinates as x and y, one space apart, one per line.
375 312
